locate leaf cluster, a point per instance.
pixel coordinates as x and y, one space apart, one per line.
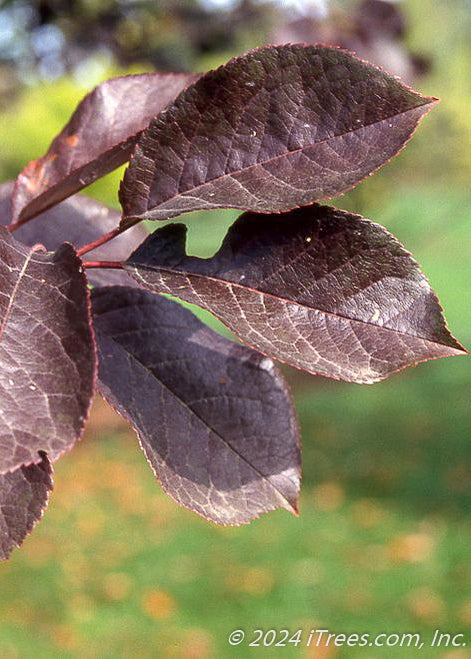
271 133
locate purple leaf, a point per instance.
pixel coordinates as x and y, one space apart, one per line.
269 131
317 288
47 353
23 497
99 137
213 417
79 221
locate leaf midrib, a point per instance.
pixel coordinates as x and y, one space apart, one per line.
288 301
205 423
187 193
9 310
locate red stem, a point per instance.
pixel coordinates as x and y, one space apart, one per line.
14 226
99 241
115 265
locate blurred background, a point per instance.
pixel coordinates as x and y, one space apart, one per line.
382 544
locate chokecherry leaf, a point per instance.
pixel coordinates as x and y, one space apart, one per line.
23 497
98 138
272 130
214 418
47 352
318 288
78 220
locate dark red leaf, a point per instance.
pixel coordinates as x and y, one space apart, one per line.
23 497
99 137
318 288
269 131
47 354
214 418
78 220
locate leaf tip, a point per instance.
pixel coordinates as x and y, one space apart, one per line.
454 346
291 503
431 101
459 350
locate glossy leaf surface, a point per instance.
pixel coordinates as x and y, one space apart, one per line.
98 138
275 129
23 497
47 354
78 220
317 288
213 417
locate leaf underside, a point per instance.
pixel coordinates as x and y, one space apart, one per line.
23 496
318 288
47 354
78 220
98 138
214 418
272 130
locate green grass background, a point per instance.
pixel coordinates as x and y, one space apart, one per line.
116 569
